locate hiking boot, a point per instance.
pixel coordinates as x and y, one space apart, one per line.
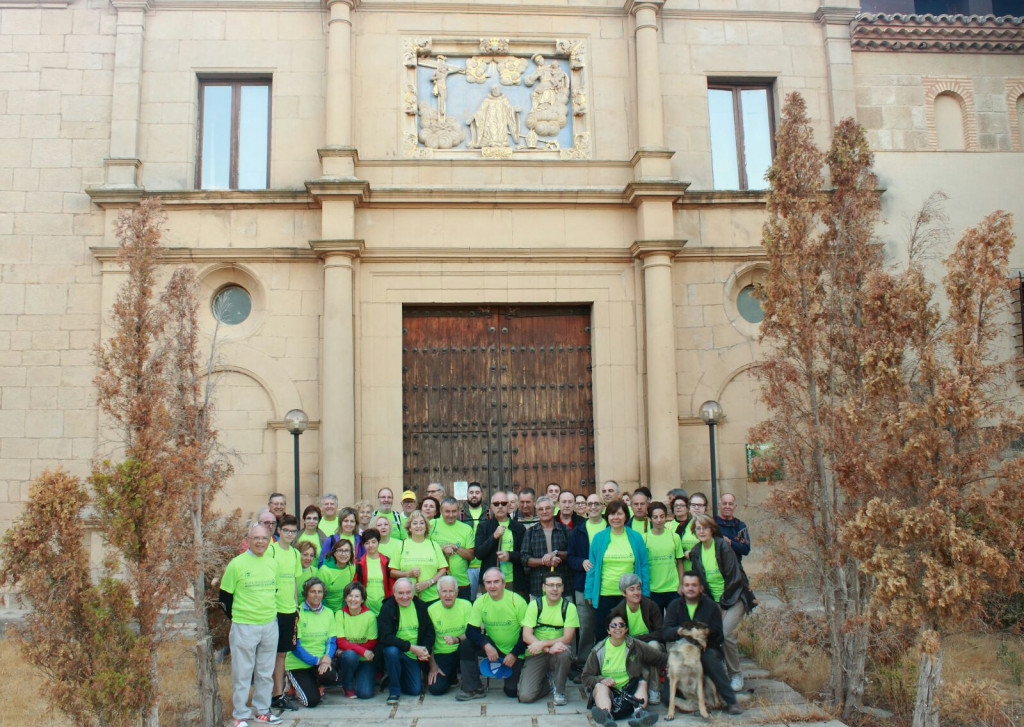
643 718
282 702
733 709
602 717
464 696
559 699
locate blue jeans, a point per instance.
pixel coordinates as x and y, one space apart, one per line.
404 675
663 599
356 675
449 664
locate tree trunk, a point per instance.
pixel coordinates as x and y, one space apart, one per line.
211 710
926 706
152 717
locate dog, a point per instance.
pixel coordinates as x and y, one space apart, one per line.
684 667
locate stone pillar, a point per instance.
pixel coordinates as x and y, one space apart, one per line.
650 117
337 369
338 116
835 27
660 390
122 166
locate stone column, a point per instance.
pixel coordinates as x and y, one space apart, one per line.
338 116
660 390
835 27
650 117
122 166
337 369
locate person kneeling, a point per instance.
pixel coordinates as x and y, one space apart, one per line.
499 612
615 672
548 631
449 615
309 662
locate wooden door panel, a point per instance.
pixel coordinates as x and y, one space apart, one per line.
500 395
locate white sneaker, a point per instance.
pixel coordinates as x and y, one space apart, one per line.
736 682
654 696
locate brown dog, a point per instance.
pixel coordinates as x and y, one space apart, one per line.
684 667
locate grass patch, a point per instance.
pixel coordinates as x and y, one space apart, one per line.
24 705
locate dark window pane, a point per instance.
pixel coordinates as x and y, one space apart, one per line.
216 151
724 161
254 117
749 306
232 305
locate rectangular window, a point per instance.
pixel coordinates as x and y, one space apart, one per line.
234 133
742 134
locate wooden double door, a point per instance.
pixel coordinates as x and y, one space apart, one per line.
500 395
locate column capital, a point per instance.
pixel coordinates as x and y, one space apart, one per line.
634 6
352 4
142 5
643 249
827 15
325 249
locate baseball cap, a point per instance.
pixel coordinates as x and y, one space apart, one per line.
495 669
408 495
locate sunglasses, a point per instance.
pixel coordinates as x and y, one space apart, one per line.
497 503
617 626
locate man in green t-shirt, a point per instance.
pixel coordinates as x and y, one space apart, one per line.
248 592
548 632
449 614
495 632
456 541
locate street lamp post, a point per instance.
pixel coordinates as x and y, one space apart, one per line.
296 422
711 413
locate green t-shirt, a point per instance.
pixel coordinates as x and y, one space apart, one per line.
313 631
289 566
662 554
358 629
500 620
313 538
329 527
408 626
716 584
506 544
335 579
449 622
635 621
252 580
304 575
397 524
374 584
391 548
614 665
594 528
618 561
551 617
475 513
461 535
691 608
426 556
642 527
689 539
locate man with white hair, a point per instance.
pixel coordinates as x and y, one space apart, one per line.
405 635
248 592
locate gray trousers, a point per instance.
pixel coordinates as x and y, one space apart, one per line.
731 618
586 630
533 681
253 652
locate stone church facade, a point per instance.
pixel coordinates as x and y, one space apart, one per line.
506 241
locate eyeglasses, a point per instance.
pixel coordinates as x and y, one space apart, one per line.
268 523
289 531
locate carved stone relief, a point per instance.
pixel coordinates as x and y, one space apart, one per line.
497 98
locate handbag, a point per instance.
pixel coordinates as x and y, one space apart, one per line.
624 704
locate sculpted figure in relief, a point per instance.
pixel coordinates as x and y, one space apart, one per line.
440 78
494 122
549 99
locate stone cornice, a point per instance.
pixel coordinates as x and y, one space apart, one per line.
724 254
458 196
727 198
496 254
349 248
182 255
358 190
983 34
261 5
835 14
114 197
632 6
276 424
645 248
647 189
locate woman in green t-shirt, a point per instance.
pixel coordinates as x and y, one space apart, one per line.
311 532
620 662
665 554
309 664
698 506
337 572
420 559
356 626
724 580
307 557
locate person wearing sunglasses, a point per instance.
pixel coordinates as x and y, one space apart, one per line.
621 663
499 543
579 565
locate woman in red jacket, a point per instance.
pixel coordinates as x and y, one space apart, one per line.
372 571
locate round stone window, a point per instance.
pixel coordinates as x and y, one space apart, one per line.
749 306
232 305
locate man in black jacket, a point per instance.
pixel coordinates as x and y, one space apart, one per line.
695 605
499 544
405 646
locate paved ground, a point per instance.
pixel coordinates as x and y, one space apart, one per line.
766 701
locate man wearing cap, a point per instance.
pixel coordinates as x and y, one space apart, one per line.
548 632
408 503
495 632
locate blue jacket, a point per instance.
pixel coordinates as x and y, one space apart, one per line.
599 545
579 551
737 532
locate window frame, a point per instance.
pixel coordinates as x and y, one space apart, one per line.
235 83
736 86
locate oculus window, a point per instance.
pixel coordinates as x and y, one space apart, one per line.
234 133
742 132
232 305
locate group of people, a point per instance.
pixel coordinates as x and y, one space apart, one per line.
358 596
